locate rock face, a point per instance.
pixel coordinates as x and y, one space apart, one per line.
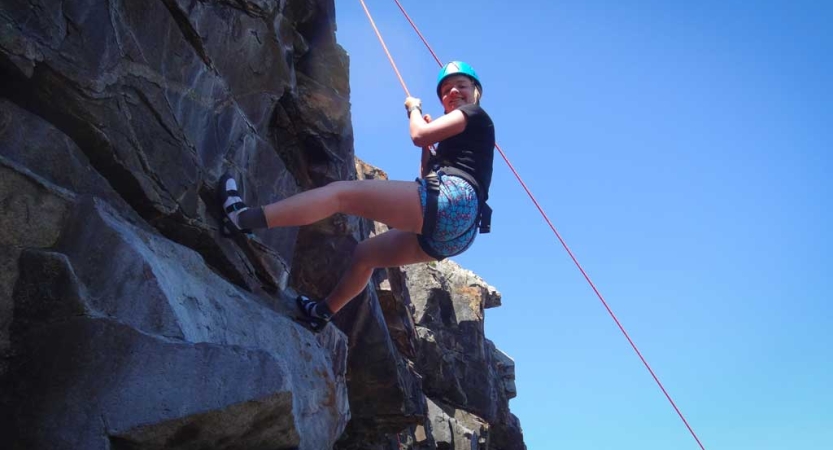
128 322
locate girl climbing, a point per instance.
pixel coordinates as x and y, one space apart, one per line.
432 219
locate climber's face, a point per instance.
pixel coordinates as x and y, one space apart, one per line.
456 91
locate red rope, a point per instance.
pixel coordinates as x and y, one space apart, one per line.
424 41
546 218
385 47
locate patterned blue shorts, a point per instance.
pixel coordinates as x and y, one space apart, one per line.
456 217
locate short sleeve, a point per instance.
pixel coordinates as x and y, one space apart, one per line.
474 113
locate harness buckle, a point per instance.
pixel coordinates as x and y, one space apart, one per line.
485 218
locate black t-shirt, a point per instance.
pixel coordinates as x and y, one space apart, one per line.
469 154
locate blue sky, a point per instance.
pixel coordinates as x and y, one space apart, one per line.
684 150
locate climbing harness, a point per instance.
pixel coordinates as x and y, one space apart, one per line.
432 196
429 222
541 210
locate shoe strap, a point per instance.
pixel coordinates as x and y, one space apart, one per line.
236 206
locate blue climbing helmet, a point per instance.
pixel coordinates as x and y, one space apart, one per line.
457 68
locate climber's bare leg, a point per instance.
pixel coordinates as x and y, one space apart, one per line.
390 249
394 203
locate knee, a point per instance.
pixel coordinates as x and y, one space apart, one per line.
363 256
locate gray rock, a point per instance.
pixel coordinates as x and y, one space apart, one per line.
31 142
47 292
33 212
505 369
90 381
152 113
8 277
116 270
385 390
462 369
453 355
456 430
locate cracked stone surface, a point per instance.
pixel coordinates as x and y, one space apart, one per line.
128 322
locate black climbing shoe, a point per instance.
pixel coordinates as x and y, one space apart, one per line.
308 317
230 226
